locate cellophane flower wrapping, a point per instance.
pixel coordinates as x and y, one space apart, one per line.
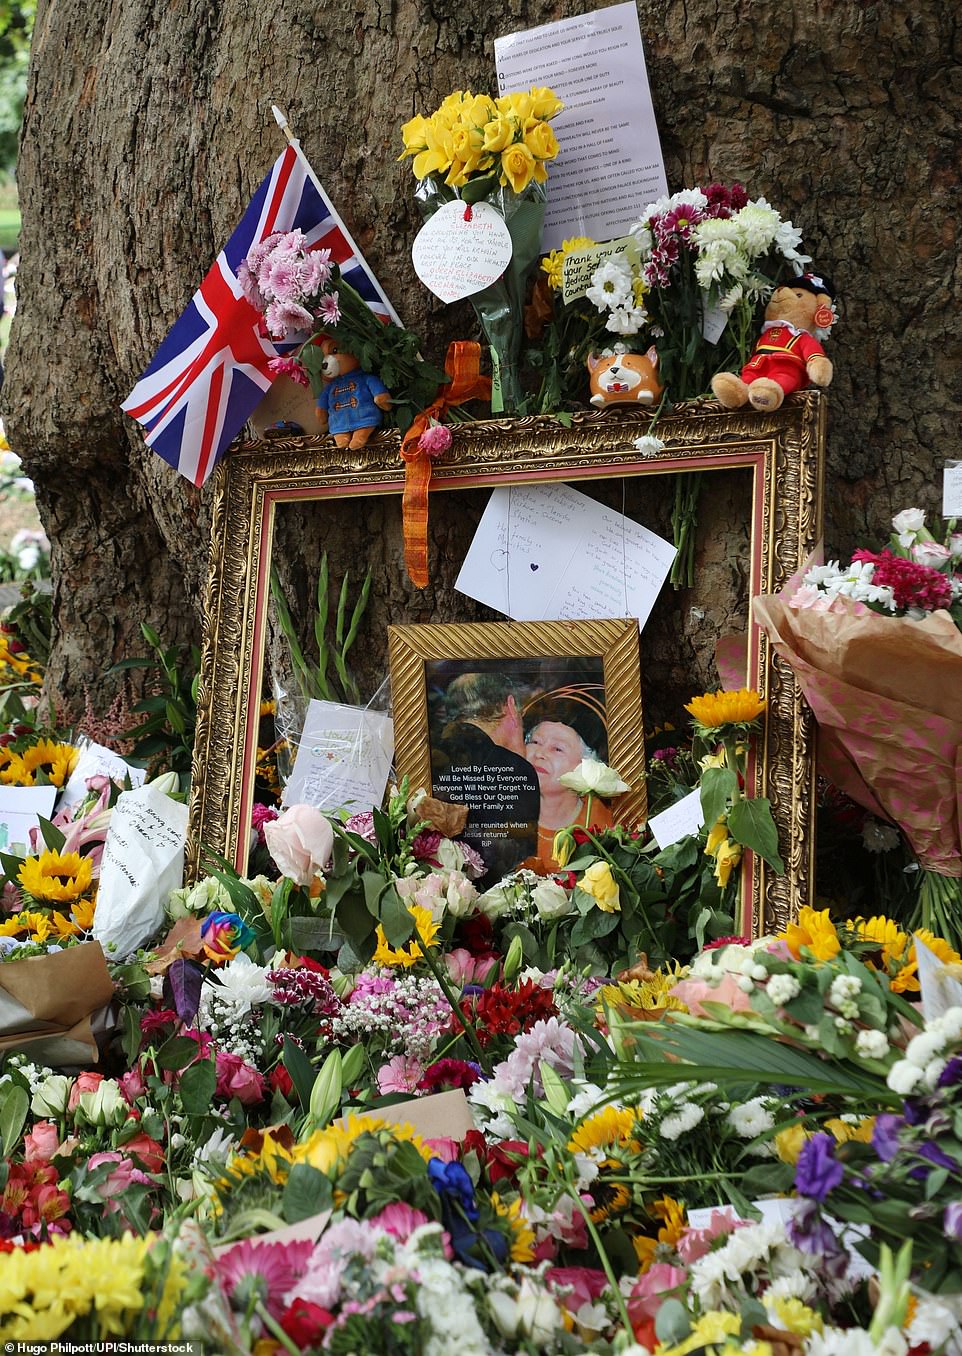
500 307
887 695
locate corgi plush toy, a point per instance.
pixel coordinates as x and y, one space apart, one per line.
625 377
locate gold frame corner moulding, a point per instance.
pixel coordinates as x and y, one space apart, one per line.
783 452
528 648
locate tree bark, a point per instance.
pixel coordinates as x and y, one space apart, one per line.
147 128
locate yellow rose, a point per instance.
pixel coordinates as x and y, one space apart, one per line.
562 846
414 136
602 886
516 106
715 839
517 167
727 857
478 110
541 141
438 152
498 133
545 103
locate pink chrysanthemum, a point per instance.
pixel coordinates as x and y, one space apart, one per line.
289 367
286 317
328 309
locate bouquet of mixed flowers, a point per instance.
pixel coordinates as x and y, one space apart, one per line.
476 149
878 653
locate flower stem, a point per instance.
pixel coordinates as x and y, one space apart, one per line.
275 1329
604 1259
442 979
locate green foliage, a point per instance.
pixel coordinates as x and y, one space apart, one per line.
314 680
164 739
16 30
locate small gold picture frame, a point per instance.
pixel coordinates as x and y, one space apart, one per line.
490 715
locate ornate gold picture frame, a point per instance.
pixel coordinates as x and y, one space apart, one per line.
574 682
781 452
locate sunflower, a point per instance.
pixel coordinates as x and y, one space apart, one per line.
522 1234
20 923
674 1223
814 931
714 710
55 760
56 877
609 1197
82 914
612 1126
425 930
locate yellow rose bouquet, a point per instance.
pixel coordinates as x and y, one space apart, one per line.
478 149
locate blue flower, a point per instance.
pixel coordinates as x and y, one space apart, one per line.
453 1184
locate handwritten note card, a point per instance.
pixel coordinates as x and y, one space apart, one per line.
678 821
940 988
952 490
580 266
97 761
610 165
19 810
343 759
461 250
548 552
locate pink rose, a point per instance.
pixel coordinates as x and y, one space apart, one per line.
43 1141
301 841
237 1079
695 1243
649 1290
695 992
85 1082
463 968
586 1285
125 1174
132 1085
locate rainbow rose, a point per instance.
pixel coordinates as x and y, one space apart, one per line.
224 935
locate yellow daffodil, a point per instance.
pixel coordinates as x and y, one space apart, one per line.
56 877
815 931
713 710
598 882
426 930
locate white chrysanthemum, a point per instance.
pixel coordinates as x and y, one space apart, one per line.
924 1046
750 1119
904 1077
611 284
648 445
243 985
757 225
787 240
730 299
626 319
937 1321
681 1121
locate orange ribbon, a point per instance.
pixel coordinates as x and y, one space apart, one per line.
463 366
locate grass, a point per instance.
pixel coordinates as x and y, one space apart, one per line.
9 229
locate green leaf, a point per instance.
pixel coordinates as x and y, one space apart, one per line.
300 1069
52 836
750 823
197 1085
396 920
307 1192
177 1052
352 1064
718 785
592 925
14 1106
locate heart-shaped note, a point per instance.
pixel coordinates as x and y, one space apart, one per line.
461 250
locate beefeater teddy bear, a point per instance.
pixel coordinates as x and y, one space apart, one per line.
787 356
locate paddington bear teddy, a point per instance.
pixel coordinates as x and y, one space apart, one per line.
351 403
787 355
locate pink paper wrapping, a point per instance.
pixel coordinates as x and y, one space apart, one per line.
887 695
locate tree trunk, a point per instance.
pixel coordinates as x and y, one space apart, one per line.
148 128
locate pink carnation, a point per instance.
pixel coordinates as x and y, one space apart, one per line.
435 440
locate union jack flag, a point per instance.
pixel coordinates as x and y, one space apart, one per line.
212 369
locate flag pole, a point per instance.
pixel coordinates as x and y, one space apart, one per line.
284 125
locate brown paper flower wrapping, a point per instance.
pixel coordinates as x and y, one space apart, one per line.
47 1002
887 695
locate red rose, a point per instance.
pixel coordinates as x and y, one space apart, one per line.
305 1323
281 1081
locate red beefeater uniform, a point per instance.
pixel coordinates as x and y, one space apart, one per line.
781 354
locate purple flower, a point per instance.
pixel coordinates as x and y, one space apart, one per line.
363 825
885 1135
809 1232
952 1073
818 1171
952 1220
934 1155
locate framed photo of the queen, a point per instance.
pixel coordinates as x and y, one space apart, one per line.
492 716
